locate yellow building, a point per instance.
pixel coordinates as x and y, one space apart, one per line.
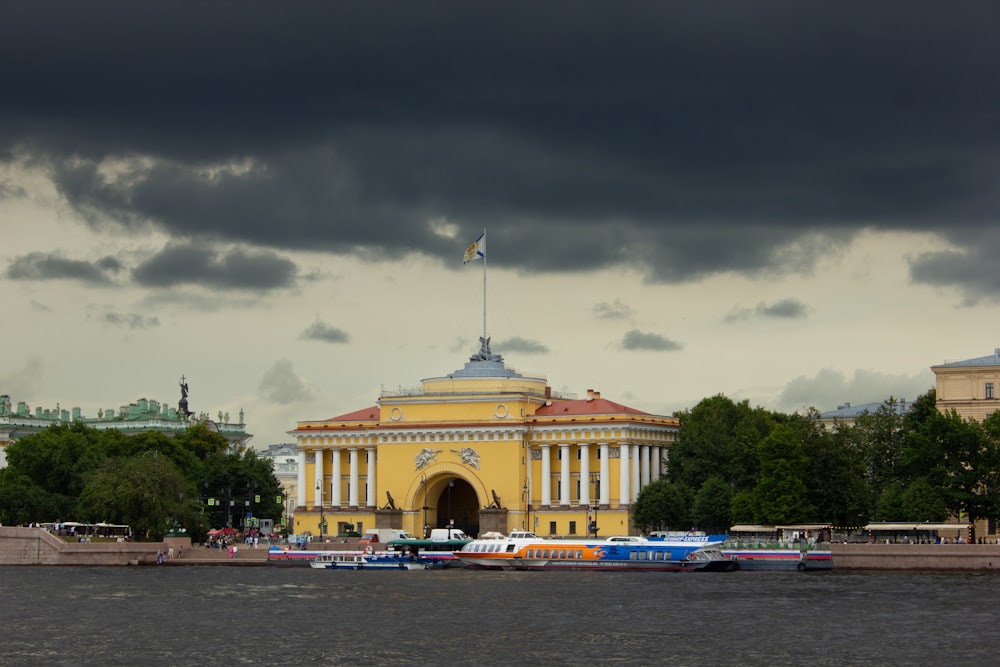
484 448
970 387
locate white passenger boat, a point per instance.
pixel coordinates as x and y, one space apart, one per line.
523 550
360 560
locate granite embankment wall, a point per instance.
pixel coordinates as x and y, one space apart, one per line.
916 556
35 546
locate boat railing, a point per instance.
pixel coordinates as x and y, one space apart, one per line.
801 545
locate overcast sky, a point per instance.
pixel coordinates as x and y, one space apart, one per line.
782 202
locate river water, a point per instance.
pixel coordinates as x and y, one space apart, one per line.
220 615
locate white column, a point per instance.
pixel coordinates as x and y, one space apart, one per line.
656 465
644 466
335 498
370 498
584 474
300 482
624 476
564 475
605 496
319 484
635 473
546 476
352 499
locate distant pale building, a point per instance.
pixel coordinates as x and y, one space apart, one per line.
285 463
846 414
484 448
139 417
970 387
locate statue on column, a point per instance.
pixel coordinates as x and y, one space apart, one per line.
182 405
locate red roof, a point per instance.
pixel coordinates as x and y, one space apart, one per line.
363 415
596 406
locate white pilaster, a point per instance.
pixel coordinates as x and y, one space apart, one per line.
370 497
635 473
644 466
584 474
624 476
352 498
300 482
564 492
546 476
335 492
605 496
320 484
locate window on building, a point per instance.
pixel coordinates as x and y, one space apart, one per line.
989 390
572 527
559 454
552 527
578 488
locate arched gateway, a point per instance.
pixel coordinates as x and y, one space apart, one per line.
485 447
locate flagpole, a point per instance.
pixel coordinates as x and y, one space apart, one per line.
484 287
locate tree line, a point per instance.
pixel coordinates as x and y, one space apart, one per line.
149 481
733 463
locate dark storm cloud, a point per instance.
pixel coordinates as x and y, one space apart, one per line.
678 139
324 332
521 345
962 269
42 266
179 264
639 340
784 309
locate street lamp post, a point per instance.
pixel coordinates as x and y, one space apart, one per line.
451 522
423 480
322 515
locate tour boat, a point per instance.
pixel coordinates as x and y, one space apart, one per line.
523 550
789 547
365 560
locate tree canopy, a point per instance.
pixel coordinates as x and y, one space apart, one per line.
739 464
149 481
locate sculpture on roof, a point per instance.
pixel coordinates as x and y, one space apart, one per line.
484 353
496 500
182 405
391 505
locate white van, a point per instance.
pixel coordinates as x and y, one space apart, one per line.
445 534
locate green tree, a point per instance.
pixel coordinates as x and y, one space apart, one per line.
202 442
719 438
923 501
240 484
959 457
835 477
147 492
23 501
781 495
712 506
879 439
58 458
662 505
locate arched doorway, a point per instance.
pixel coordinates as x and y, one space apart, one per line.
454 499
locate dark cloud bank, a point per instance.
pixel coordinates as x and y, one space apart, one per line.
682 139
